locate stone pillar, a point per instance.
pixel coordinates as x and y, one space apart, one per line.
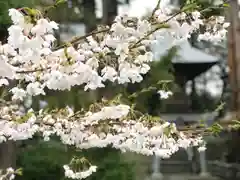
203 163
156 167
190 158
190 153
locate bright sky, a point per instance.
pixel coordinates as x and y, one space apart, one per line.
141 7
136 8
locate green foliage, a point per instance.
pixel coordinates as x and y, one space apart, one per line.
44 160
236 125
7 4
19 172
206 7
110 164
58 2
215 129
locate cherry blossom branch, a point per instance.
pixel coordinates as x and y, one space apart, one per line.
160 26
32 71
77 39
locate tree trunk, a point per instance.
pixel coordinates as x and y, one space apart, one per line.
7 149
234 55
110 11
8 155
89 15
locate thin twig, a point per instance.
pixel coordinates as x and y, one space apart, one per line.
76 39
32 71
161 25
155 9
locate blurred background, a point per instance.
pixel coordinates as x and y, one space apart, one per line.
202 76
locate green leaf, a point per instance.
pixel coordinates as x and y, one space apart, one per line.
235 127
60 2
156 119
226 5
19 172
236 121
189 7
220 107
30 11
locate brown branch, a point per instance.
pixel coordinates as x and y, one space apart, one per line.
77 39
155 9
32 71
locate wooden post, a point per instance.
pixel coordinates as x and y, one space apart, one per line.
234 56
237 51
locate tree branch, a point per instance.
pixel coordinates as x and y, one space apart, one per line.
155 9
77 39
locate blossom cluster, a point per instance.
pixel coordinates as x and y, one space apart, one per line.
120 53
164 94
8 175
69 173
216 30
111 125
